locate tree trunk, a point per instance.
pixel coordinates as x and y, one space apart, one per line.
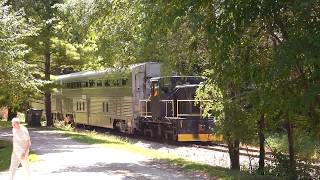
47 56
234 153
291 150
261 125
47 93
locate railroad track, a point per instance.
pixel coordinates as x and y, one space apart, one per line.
251 152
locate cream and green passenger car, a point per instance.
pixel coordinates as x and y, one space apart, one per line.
108 98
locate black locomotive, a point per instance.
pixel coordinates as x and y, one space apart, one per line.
172 113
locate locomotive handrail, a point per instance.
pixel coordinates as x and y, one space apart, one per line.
147 113
190 114
172 107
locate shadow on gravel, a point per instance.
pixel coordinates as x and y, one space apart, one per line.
48 141
144 170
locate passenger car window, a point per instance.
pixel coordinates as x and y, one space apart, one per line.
91 83
99 83
107 83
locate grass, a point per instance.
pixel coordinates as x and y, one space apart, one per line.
5 155
5 124
109 141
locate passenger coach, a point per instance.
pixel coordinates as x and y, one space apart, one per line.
108 98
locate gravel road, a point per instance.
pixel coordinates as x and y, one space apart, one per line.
63 158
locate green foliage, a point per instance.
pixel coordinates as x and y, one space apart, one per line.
262 58
280 167
211 91
307 146
17 82
307 153
171 37
104 33
5 124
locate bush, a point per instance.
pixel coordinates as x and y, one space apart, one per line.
62 125
280 167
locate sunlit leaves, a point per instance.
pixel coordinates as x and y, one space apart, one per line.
17 82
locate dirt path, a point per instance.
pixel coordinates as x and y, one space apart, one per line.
64 158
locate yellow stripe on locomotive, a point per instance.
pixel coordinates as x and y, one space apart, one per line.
200 137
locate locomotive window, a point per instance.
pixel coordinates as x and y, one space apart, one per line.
99 83
80 106
91 83
155 88
103 107
107 83
77 105
107 107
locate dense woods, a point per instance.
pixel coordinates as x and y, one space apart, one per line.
260 58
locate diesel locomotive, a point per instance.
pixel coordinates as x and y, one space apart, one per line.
134 100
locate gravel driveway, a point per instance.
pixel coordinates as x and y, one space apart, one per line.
63 158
